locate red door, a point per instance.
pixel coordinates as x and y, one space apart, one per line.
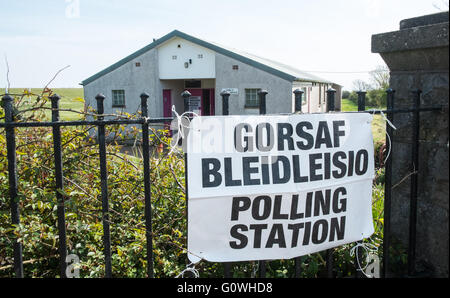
205 101
167 103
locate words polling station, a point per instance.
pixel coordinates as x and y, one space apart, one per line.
271 187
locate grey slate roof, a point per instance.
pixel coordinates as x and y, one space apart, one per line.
278 69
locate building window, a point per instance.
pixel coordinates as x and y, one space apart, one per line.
138 64
235 67
174 57
118 98
200 56
251 98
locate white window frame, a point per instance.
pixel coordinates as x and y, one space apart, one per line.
251 97
118 98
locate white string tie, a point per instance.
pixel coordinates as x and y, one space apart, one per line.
369 249
180 126
189 269
387 120
388 136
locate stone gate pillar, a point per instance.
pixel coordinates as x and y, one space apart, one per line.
418 58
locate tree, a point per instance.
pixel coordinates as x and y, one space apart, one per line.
379 77
360 85
376 98
345 94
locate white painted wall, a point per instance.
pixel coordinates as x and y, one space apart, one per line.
317 99
170 68
314 100
133 80
278 100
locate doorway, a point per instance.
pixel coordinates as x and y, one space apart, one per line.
167 103
202 101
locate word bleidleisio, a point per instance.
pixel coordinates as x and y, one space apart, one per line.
263 170
281 169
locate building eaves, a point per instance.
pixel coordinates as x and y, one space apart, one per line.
280 70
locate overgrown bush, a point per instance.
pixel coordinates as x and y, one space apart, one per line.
38 231
345 94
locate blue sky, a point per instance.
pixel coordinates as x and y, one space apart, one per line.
323 36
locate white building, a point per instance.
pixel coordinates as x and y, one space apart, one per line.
178 62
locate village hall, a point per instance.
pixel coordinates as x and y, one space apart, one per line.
177 62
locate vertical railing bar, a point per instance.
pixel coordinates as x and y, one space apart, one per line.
186 95
298 93
262 111
298 100
262 102
329 252
147 186
186 195
225 112
227 269
414 184
388 183
358 255
57 152
262 270
225 103
186 102
330 263
104 187
330 99
361 100
298 267
12 176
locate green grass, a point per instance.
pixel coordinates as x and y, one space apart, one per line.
67 101
378 124
69 94
348 105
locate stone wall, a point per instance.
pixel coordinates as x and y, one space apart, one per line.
417 56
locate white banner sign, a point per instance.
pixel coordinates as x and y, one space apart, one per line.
278 187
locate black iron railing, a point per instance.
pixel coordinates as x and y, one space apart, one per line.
56 125
144 121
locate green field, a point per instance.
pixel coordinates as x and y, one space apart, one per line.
378 124
68 96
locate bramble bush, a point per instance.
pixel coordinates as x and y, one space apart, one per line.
38 231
